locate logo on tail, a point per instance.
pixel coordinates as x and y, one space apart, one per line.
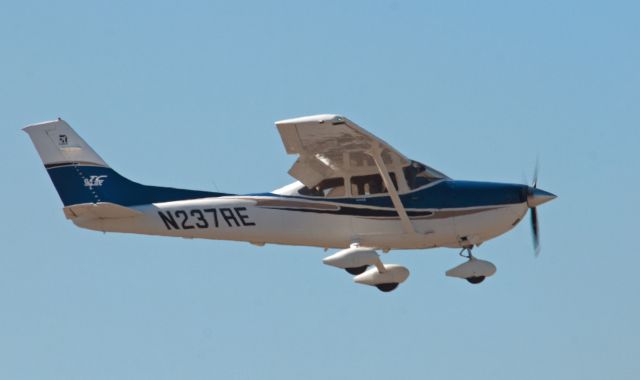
94 181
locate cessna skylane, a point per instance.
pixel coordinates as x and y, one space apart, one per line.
354 192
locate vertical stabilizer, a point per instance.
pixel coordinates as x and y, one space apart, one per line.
58 144
81 176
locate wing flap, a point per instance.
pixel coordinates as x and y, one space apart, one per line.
309 171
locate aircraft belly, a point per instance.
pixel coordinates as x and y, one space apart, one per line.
489 223
388 233
317 229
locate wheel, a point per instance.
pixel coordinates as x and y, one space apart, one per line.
387 287
356 270
476 279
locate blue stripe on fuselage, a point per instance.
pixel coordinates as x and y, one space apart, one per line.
445 194
71 186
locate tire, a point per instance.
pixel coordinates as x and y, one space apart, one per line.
476 279
356 270
387 287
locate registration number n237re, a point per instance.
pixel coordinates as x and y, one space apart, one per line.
205 218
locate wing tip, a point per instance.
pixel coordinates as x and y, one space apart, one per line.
312 119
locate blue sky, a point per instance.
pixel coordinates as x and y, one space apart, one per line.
185 94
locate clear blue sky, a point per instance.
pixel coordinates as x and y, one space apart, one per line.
185 94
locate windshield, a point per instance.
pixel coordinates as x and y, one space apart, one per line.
418 175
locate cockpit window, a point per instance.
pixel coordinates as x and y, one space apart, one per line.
370 184
418 175
330 187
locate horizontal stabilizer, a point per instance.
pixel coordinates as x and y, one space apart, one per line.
101 210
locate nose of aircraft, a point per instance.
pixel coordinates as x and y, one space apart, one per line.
536 197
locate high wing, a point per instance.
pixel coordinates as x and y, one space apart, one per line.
334 146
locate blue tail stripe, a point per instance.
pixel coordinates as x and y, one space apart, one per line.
90 184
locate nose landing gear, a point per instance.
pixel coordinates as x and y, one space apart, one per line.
474 270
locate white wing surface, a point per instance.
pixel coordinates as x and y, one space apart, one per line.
333 146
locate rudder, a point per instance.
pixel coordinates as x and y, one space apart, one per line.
57 143
81 176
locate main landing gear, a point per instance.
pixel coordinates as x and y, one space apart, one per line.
364 263
474 270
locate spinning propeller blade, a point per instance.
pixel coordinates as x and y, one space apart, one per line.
536 197
535 231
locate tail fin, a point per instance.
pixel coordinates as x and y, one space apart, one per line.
58 144
81 176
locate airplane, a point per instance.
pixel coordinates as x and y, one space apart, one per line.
354 192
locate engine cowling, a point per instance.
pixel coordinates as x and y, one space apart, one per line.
393 274
473 268
352 258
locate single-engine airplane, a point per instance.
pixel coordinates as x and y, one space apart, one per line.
353 192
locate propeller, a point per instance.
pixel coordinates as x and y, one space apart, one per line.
535 230
536 197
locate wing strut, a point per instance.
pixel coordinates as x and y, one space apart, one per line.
376 154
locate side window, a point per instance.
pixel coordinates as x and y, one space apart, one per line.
370 184
331 187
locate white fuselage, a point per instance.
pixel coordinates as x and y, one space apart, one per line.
239 218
